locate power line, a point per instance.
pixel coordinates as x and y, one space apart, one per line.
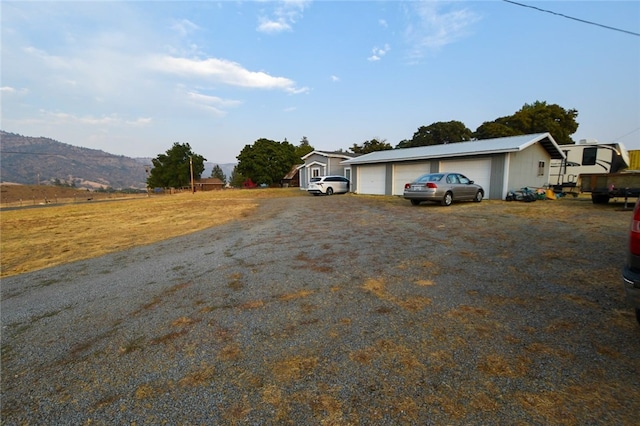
624 136
572 18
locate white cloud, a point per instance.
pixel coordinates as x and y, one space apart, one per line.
66 119
383 23
378 53
212 104
212 100
432 27
335 78
140 122
184 27
7 90
55 62
270 26
223 71
286 13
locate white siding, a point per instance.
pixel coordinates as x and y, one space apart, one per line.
524 169
405 173
371 179
478 171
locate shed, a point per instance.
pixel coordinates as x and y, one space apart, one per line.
324 163
292 179
499 165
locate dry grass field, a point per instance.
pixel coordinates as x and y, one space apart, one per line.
43 236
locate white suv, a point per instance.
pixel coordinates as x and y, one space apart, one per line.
328 185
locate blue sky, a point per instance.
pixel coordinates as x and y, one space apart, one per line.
131 78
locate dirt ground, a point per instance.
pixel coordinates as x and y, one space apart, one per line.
339 310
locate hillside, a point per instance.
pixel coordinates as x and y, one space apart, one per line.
42 161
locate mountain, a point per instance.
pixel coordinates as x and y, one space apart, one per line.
40 160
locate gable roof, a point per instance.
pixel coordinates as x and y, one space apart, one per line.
458 149
338 154
294 169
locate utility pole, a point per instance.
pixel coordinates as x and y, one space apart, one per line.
193 190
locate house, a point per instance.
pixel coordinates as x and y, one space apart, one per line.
208 184
499 165
323 163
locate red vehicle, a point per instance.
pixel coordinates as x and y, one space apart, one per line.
631 270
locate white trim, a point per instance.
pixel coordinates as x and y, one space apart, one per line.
347 170
328 155
505 175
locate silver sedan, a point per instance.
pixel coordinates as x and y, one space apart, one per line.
444 188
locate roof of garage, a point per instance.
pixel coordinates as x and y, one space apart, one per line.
338 154
458 149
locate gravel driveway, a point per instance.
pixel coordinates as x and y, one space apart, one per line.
337 310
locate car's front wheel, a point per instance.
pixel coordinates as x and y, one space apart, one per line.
415 202
638 315
478 197
329 191
447 199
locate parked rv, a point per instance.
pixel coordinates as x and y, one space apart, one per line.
586 157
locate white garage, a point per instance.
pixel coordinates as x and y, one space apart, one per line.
478 170
499 165
405 173
371 179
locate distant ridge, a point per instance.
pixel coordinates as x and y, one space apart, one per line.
40 160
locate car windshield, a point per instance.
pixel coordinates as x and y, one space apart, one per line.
430 178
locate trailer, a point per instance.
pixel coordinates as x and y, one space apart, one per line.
586 157
604 186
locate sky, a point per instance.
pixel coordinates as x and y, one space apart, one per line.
134 77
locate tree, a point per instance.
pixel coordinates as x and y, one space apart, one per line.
304 148
236 178
266 161
439 133
534 118
494 129
218 173
371 146
172 169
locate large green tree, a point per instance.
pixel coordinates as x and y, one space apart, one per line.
371 146
438 133
538 117
218 173
173 170
266 161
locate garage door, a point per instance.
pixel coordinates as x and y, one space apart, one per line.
478 171
405 173
371 179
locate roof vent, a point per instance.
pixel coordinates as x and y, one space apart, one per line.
588 141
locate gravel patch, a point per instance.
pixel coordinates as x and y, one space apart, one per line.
337 310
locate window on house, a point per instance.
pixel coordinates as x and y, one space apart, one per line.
315 172
540 168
